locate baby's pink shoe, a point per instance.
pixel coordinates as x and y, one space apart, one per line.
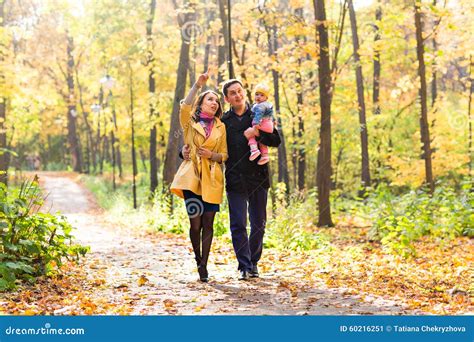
254 152
264 159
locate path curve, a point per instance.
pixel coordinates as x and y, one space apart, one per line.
155 274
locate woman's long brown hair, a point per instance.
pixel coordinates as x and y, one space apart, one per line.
198 102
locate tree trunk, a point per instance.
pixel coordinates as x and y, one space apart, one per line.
294 155
151 90
143 159
434 86
207 48
3 141
3 105
222 49
301 153
90 153
134 155
365 172
112 143
324 153
98 147
230 65
220 62
226 31
301 144
283 175
175 137
107 155
98 140
338 162
337 46
377 67
299 97
471 88
118 155
192 66
87 162
241 62
115 144
73 140
376 89
425 132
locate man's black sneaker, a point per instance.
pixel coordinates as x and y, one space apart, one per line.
254 272
244 275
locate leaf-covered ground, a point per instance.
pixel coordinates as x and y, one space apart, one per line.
140 272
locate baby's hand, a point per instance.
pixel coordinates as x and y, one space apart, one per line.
250 132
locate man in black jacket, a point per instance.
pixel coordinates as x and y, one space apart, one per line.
247 183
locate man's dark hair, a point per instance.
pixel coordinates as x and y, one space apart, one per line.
228 83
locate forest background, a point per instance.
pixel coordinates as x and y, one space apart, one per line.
373 102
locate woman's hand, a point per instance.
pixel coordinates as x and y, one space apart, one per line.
202 79
186 151
203 153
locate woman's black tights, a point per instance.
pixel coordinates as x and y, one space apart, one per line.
202 225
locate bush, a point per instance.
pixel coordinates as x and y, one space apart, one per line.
398 221
160 217
33 243
55 166
292 225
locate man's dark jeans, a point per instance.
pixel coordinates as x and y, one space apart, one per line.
248 250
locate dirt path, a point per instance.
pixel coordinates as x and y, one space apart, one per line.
155 273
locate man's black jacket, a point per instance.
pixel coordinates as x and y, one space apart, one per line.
243 175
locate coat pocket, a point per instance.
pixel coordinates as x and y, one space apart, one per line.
217 177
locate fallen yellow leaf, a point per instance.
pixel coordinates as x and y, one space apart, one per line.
142 280
169 303
199 308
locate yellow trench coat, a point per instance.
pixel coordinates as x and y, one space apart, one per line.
201 175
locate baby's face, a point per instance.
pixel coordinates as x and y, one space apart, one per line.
260 97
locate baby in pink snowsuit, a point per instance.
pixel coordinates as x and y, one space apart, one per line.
263 121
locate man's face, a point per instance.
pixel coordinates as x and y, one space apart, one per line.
235 95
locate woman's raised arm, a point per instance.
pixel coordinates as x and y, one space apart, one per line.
185 110
201 81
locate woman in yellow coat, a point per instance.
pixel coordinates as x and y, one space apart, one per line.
200 180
